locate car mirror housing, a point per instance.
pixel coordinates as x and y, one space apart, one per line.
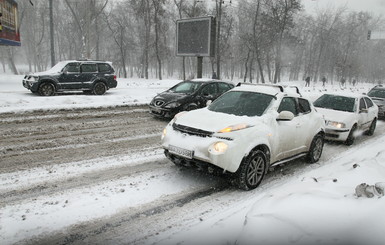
364 111
285 116
209 102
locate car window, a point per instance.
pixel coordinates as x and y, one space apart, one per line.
336 102
89 68
304 106
379 93
185 87
362 104
369 102
104 67
288 104
242 103
72 67
223 87
209 89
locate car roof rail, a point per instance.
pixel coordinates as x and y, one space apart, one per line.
262 84
296 89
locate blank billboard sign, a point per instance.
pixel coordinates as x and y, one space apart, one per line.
196 36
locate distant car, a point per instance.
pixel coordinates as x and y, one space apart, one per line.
245 131
73 75
346 115
186 96
377 94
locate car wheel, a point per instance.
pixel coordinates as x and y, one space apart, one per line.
46 89
351 137
370 132
251 171
99 88
316 148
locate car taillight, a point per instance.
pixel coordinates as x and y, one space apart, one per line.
114 77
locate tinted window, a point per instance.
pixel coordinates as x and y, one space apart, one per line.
89 68
209 89
335 102
362 104
104 67
73 67
223 87
242 103
304 106
368 101
288 104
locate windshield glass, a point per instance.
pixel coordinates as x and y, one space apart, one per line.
58 67
379 93
241 103
186 87
335 102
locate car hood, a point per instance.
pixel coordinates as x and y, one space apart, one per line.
44 73
338 116
207 120
168 96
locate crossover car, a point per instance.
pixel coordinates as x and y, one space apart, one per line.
74 75
377 94
186 96
245 131
347 115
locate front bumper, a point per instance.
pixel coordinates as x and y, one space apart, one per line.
162 112
30 84
336 134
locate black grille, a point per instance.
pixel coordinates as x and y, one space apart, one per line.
191 131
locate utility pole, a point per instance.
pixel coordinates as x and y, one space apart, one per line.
51 29
219 13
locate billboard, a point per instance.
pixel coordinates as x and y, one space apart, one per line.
9 26
196 37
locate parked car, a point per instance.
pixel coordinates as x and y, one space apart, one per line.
346 115
377 94
187 95
73 75
245 131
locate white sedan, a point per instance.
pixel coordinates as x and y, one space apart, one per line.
346 115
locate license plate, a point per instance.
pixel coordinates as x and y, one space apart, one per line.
181 152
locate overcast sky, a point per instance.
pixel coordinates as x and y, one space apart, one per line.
374 6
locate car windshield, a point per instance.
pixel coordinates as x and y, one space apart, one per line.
335 102
241 103
58 67
187 87
378 93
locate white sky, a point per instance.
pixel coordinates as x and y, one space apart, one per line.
373 6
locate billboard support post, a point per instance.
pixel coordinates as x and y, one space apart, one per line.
199 66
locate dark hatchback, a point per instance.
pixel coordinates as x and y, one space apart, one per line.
187 95
89 76
377 94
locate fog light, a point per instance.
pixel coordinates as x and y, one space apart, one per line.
164 133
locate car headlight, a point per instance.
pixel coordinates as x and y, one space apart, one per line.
164 133
336 124
219 147
234 128
172 105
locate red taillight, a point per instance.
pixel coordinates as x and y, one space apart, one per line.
114 77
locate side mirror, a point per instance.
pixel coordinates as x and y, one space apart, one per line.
364 111
285 116
209 102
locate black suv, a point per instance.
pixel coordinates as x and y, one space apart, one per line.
76 75
378 96
187 95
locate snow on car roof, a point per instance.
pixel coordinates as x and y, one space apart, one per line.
270 89
207 80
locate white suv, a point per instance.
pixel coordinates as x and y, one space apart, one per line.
245 131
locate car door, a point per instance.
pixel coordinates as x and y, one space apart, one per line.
70 78
372 111
208 92
363 115
289 141
305 124
88 73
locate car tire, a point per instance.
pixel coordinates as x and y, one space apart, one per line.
99 88
316 147
251 171
351 137
46 89
370 132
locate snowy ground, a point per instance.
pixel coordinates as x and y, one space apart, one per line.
317 205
